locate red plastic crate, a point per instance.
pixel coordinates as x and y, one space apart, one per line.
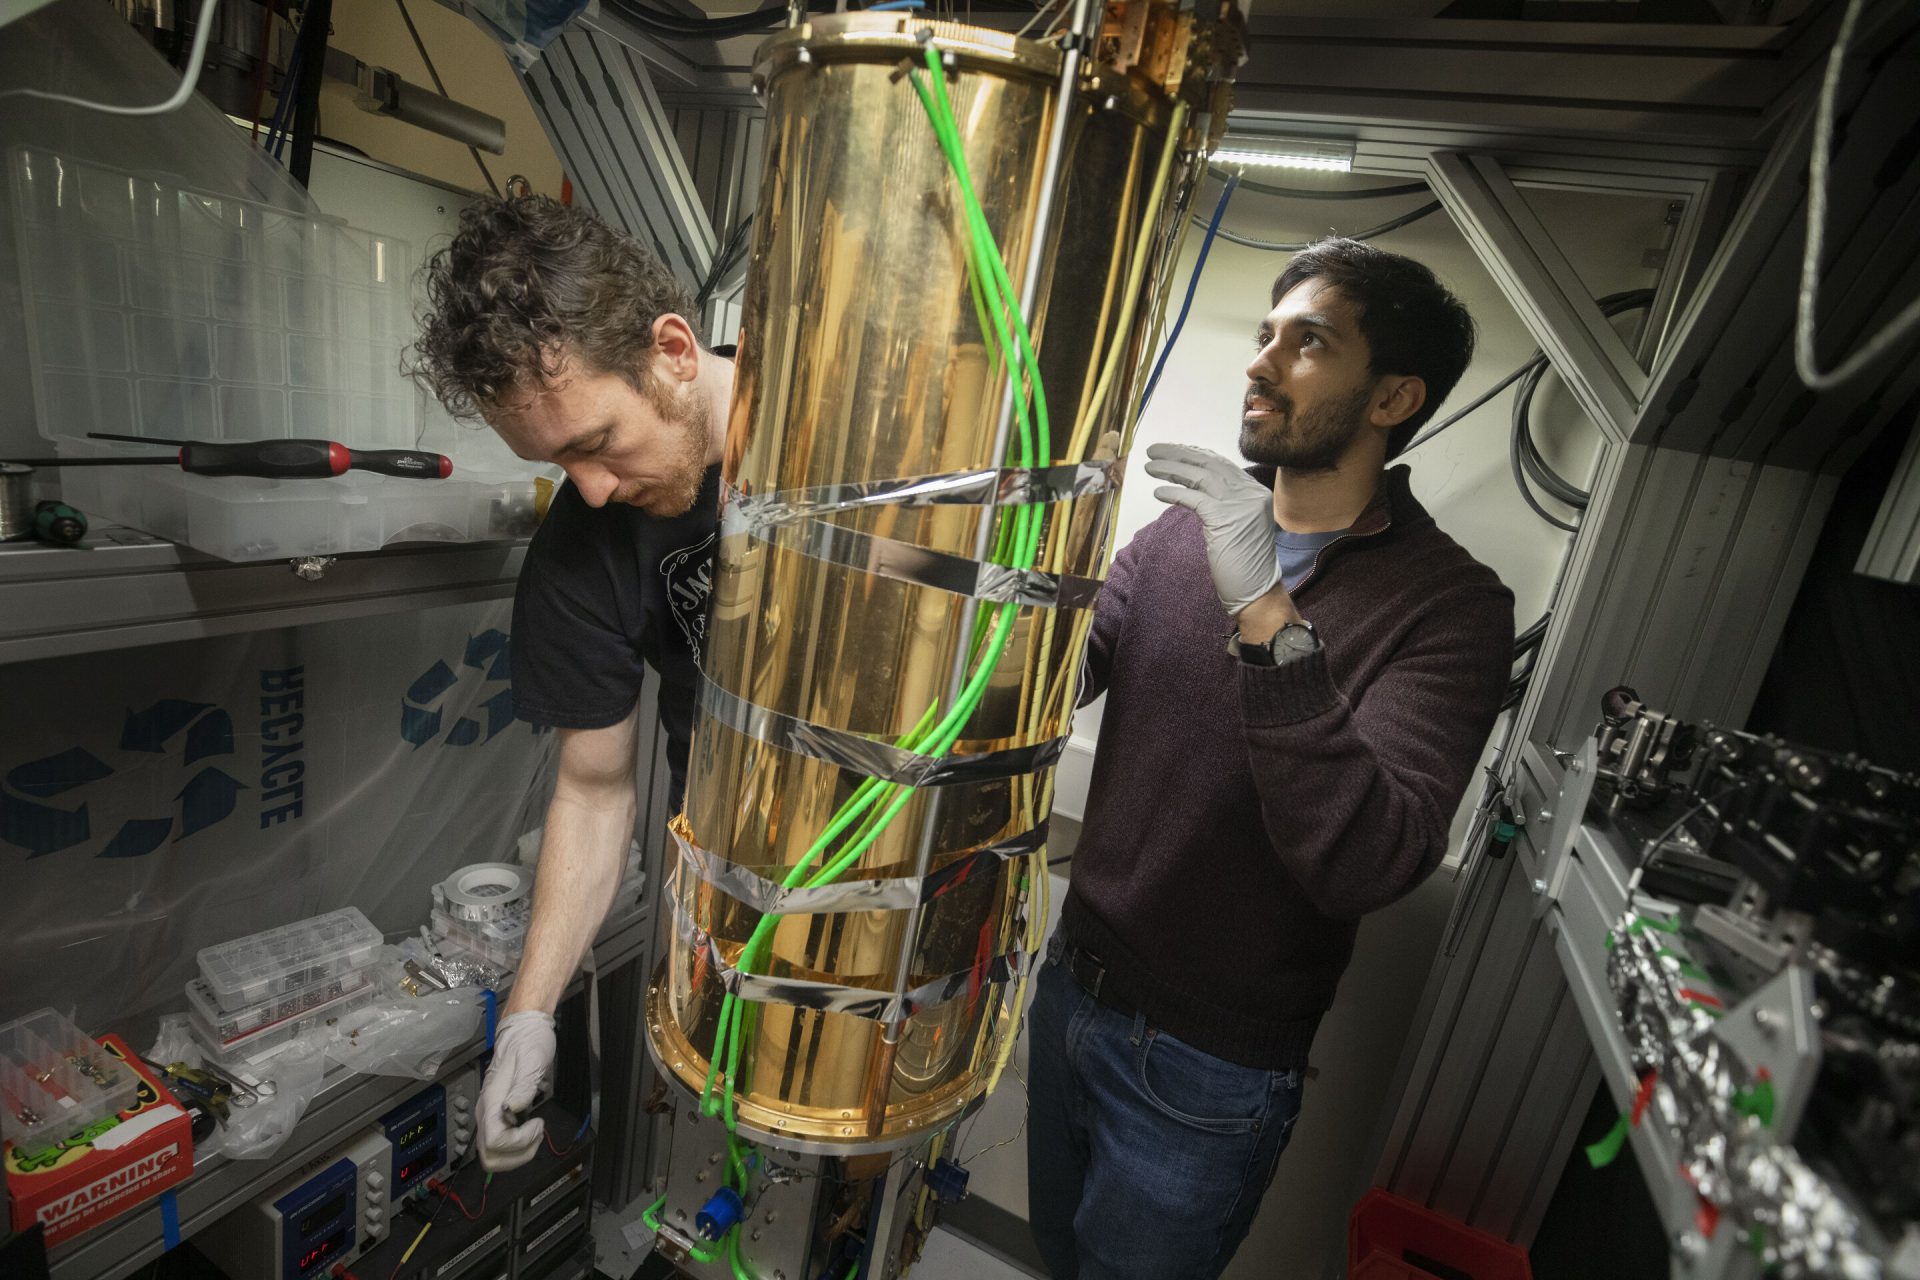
1389 1238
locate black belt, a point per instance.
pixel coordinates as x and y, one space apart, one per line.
1093 978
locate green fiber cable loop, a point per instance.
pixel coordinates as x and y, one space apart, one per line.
875 803
1026 549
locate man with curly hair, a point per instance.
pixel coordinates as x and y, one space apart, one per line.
575 345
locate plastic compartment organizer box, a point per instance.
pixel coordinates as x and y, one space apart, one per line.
258 992
249 970
158 311
230 1026
55 1081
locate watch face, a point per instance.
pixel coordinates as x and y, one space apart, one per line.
1295 637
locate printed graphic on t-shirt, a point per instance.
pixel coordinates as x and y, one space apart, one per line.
689 578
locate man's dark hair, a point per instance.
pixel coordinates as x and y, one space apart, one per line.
1413 325
526 281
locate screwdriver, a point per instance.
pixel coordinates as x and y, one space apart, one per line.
274 459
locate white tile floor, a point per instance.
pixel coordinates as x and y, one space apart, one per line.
949 1257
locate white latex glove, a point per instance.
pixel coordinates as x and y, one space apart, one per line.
1236 511
523 1051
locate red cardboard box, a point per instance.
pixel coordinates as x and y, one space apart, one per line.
107 1168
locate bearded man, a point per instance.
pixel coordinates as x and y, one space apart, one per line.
574 344
1301 670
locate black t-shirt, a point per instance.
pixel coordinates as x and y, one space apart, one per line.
605 593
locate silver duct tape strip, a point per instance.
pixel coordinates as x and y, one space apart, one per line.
897 894
998 487
905 562
864 755
484 892
832 997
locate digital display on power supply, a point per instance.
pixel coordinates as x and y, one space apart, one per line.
321 1214
412 1167
408 1173
320 1252
425 1127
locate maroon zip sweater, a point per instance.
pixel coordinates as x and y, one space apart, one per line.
1242 819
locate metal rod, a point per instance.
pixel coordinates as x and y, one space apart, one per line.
108 435
169 460
1474 864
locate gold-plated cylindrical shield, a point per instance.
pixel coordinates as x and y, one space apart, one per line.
863 361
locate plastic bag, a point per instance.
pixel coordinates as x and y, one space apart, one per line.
283 1087
406 1036
258 1131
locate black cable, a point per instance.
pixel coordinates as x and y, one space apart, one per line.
1536 466
1296 193
440 88
662 22
1485 396
315 25
723 262
1533 635
1526 490
1275 246
1529 465
1611 305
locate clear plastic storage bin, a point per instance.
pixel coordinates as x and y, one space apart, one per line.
56 1080
251 970
157 310
499 942
162 312
255 1043
231 1025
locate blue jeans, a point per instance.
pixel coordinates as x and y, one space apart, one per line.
1146 1158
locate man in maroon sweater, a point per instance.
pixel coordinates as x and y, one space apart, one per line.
1301 671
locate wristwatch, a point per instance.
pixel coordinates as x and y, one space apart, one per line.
1295 640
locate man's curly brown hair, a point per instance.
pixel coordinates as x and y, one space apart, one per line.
526 282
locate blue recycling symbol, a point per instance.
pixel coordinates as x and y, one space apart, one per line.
29 820
422 710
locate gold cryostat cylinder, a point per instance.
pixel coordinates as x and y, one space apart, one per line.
862 359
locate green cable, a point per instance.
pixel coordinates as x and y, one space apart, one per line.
740 1271
989 248
1017 541
1027 530
651 1216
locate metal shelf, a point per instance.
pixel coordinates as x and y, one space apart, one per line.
126 588
345 1105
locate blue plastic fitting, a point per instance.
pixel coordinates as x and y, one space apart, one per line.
947 1180
719 1215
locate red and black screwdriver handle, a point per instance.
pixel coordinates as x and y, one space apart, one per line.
309 459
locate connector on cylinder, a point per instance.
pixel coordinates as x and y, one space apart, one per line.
720 1214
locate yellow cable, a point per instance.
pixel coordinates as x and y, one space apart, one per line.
1038 904
1135 274
416 1243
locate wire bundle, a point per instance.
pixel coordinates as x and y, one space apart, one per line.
875 803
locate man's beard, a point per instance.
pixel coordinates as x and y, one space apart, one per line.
1314 441
690 417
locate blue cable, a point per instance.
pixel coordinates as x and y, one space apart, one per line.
1193 284
283 109
891 5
